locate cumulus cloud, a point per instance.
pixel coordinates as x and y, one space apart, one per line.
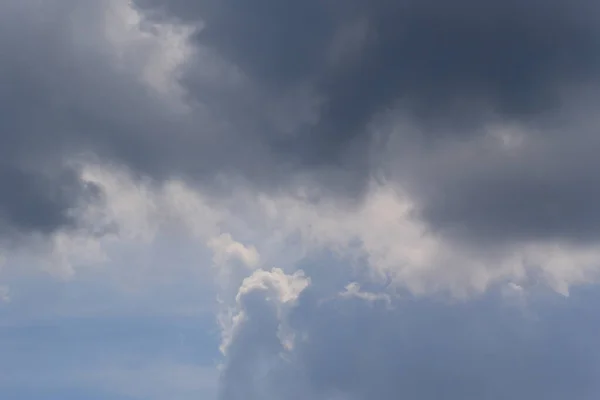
225 248
256 336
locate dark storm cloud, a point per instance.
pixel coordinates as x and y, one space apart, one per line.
61 98
64 98
65 94
363 57
31 201
451 68
33 188
490 192
315 75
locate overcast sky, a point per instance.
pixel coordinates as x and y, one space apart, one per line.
318 199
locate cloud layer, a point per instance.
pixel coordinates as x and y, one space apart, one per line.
359 346
482 109
379 193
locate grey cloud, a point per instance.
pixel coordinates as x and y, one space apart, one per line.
36 190
429 55
65 94
429 350
314 75
449 68
32 201
349 348
63 97
543 189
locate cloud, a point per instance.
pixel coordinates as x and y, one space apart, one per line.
504 52
353 290
225 249
464 62
349 347
382 237
428 149
480 110
386 235
128 220
255 335
61 89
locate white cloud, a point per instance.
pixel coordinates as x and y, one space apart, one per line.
384 232
255 332
129 216
226 249
280 291
353 290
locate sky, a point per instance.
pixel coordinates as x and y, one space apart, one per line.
319 199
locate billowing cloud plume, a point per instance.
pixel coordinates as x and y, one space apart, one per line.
256 335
